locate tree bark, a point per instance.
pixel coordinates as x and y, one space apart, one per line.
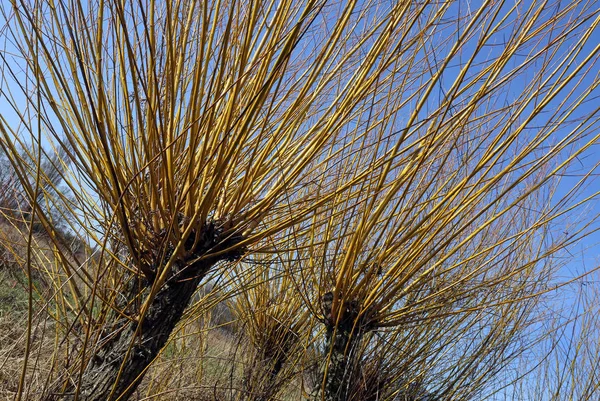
108 376
338 368
340 365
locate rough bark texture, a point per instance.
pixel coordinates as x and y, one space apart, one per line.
345 373
341 365
339 369
100 377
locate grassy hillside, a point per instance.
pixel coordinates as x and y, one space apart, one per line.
204 360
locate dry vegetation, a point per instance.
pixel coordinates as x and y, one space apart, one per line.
283 200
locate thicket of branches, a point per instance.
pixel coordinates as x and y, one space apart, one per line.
384 193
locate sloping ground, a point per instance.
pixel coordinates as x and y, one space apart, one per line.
14 302
206 364
203 361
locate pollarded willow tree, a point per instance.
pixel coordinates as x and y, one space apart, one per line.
432 286
406 144
187 124
276 326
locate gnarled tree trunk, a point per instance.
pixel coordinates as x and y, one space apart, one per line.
340 366
119 364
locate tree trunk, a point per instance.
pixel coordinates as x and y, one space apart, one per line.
271 351
341 363
99 381
338 368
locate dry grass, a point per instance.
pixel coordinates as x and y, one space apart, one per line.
14 308
201 362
